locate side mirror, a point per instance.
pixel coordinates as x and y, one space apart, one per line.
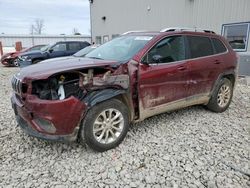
51 50
157 58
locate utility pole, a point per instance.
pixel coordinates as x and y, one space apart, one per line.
32 34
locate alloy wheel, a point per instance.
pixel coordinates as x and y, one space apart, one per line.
224 95
108 126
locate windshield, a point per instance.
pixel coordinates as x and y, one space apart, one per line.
84 51
120 49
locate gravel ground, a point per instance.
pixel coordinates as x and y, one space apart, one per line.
187 148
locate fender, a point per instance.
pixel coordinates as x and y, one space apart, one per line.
229 72
98 96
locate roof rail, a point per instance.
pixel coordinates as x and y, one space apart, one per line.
138 31
186 29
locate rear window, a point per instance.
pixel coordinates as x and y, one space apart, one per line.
199 46
219 46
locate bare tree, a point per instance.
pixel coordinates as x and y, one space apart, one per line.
37 27
75 31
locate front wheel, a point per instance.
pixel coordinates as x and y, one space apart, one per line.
105 125
16 63
222 96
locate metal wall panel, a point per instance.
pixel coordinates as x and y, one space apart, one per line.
122 16
31 40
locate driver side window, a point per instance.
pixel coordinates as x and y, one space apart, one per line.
59 47
168 50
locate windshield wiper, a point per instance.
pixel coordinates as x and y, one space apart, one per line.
95 58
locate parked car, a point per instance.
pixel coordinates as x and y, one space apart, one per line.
78 54
58 49
10 59
85 51
127 79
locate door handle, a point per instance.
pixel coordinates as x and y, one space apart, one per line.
182 68
217 62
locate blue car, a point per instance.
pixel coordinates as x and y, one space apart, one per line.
58 49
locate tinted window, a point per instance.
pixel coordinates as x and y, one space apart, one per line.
74 46
200 46
237 35
169 49
84 44
219 46
59 47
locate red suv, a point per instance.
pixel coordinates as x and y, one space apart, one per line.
10 59
135 76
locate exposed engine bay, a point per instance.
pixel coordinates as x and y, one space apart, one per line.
78 83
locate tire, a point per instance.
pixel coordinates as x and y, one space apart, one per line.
107 135
221 96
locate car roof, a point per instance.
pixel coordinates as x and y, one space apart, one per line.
142 33
165 33
71 41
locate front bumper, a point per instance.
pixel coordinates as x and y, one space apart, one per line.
65 116
6 61
32 132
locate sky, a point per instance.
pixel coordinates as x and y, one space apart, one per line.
60 16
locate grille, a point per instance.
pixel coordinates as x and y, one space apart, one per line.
16 85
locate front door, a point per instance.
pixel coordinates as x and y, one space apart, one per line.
59 50
163 75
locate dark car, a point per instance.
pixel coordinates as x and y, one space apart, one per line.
10 59
127 79
85 51
78 54
58 49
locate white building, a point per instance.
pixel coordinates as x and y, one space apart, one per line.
231 18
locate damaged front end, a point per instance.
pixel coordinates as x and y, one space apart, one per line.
53 108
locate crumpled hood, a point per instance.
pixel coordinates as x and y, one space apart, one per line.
45 69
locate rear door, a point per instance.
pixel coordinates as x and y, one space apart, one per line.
204 65
163 78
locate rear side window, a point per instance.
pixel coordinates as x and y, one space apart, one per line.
199 46
219 46
74 46
84 44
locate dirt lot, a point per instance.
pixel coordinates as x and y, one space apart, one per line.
192 147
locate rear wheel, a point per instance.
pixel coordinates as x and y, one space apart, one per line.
222 96
105 125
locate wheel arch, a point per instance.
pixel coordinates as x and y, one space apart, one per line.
99 96
231 75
